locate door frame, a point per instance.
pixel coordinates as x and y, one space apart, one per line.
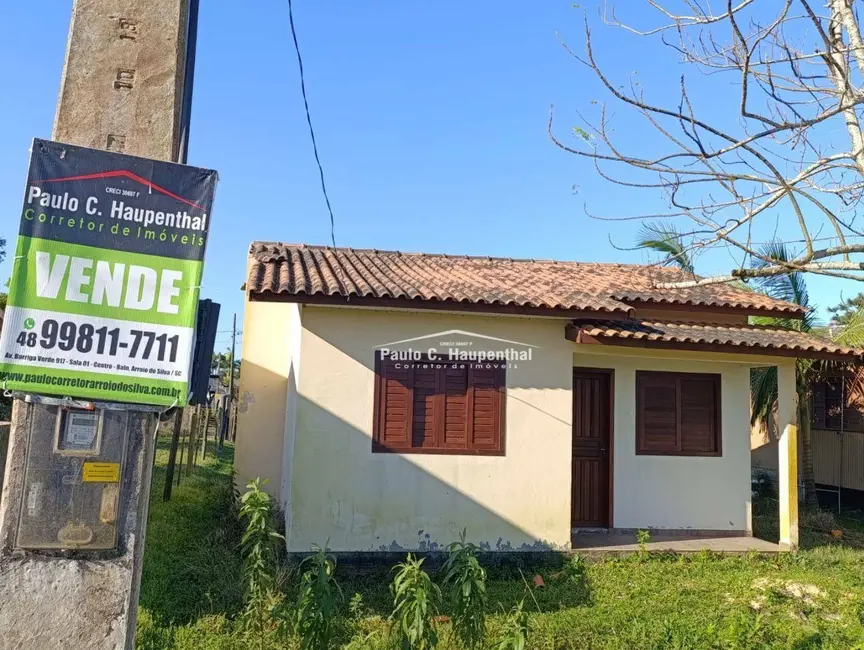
610 372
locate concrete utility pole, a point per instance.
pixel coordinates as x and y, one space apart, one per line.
231 380
122 90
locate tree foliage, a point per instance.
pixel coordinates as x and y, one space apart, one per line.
847 310
221 364
665 239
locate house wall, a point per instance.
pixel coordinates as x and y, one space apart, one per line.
271 335
295 332
521 500
310 434
678 492
765 447
358 500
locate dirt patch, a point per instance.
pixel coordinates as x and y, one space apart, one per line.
803 596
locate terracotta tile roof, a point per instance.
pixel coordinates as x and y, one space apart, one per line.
301 270
764 339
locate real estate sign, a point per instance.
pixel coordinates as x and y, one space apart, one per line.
104 290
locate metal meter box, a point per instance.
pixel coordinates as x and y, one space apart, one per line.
72 478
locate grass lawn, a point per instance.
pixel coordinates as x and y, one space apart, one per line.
192 590
191 566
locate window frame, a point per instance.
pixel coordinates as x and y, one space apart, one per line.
379 447
715 378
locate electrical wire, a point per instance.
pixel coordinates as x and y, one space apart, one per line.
309 122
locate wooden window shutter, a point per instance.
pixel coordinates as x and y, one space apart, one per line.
424 407
425 416
395 405
698 415
677 414
485 407
454 427
657 430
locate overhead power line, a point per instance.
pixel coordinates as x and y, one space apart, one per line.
309 122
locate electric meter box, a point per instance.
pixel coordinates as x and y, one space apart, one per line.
72 478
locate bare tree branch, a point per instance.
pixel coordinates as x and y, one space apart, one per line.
775 160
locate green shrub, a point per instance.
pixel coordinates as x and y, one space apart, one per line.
465 580
260 553
575 569
515 629
415 599
317 601
357 606
207 633
150 635
643 538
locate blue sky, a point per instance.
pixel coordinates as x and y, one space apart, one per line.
431 123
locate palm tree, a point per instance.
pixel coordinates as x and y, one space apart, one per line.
664 238
763 381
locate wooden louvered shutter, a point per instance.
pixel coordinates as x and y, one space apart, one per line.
424 420
454 434
438 408
485 408
698 419
395 405
677 414
656 413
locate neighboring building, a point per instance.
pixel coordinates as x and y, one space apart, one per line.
620 405
837 423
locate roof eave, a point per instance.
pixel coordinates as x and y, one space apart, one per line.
668 305
575 334
414 304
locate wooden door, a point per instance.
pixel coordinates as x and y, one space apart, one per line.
592 432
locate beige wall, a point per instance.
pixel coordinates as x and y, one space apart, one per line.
765 447
364 501
676 492
271 332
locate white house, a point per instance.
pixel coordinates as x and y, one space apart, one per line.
393 399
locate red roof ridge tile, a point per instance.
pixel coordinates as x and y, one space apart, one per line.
451 256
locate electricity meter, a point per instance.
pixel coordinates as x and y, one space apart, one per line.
72 478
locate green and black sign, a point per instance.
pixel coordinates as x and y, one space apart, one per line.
104 290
